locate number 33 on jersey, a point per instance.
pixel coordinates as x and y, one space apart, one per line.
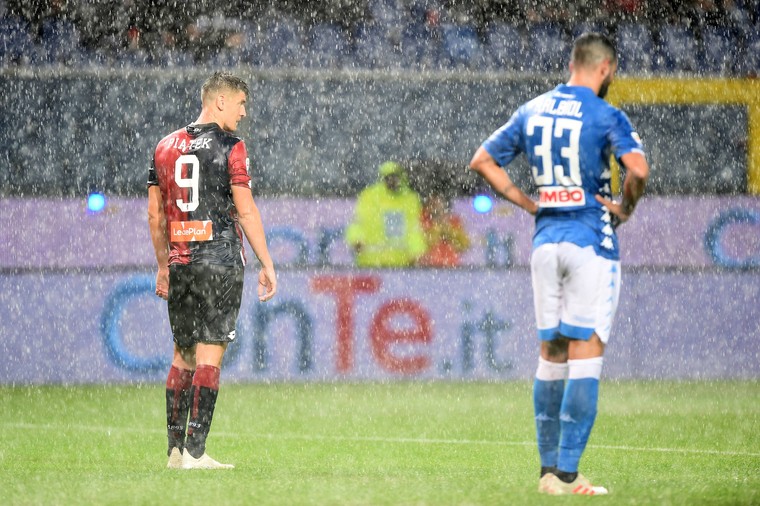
568 136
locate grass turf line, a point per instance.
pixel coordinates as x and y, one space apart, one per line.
386 444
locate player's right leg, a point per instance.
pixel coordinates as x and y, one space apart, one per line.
590 294
578 412
205 391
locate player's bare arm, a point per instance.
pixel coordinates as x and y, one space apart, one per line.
157 222
484 164
637 173
253 228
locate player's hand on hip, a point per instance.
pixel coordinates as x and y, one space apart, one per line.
267 284
618 215
162 284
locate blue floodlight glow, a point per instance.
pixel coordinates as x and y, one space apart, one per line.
482 203
96 202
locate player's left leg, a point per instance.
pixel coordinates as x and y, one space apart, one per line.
181 307
178 383
551 373
548 390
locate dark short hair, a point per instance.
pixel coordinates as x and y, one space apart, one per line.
222 81
592 48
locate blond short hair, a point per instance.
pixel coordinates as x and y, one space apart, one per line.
220 81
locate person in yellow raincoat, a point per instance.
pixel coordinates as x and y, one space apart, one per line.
387 230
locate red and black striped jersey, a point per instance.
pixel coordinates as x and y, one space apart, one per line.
196 168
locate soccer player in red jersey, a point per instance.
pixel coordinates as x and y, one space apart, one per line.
199 206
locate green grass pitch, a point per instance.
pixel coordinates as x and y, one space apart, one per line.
662 443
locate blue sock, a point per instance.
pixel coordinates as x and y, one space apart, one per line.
548 389
547 399
576 419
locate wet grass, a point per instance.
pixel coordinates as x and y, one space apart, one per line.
353 444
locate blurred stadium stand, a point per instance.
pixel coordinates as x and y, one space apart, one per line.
462 48
321 134
60 43
298 53
749 57
505 48
679 49
717 50
387 34
547 48
283 44
327 47
16 44
374 47
635 48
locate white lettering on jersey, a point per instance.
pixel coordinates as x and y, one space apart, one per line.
200 144
193 145
561 196
562 108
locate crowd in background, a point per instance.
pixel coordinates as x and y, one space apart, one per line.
201 27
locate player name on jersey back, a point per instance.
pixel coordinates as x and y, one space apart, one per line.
561 196
185 145
190 231
557 107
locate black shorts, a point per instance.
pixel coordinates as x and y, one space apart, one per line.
204 301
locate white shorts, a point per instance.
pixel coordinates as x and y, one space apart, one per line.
575 291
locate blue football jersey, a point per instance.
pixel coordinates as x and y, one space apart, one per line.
568 135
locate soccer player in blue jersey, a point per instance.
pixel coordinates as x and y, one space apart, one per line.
568 135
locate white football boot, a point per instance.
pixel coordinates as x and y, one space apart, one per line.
203 462
175 459
550 484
